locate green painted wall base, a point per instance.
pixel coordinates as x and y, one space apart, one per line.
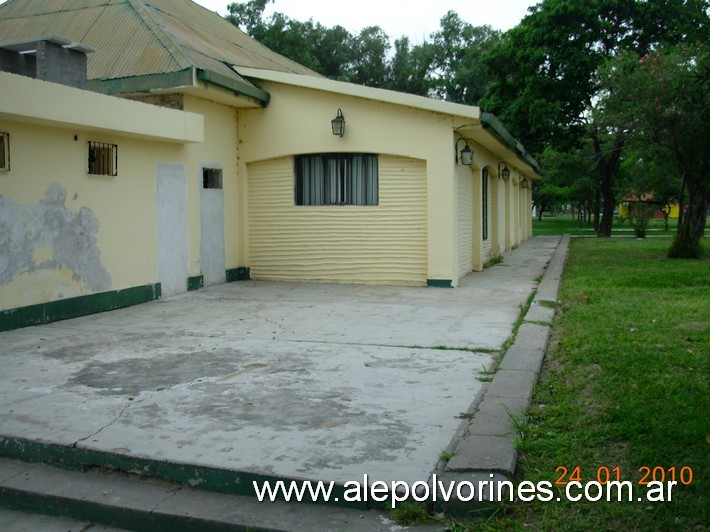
440 283
195 283
238 274
74 307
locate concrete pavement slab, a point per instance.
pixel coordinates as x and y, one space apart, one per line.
288 380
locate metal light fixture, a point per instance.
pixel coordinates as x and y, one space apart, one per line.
505 172
338 124
524 183
466 153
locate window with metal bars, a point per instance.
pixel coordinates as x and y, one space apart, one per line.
103 158
484 202
337 179
4 151
211 178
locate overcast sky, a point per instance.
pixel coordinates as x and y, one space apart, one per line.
415 18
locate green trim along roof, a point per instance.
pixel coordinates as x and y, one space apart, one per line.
159 41
492 123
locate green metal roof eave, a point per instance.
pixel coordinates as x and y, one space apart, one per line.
146 83
183 78
239 87
492 123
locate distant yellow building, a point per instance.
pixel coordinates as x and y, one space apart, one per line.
178 153
627 205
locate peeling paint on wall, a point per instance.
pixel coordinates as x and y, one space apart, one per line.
48 252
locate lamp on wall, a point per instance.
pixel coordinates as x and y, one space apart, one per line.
505 172
524 183
466 153
338 124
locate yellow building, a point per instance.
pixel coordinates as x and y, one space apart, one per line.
169 151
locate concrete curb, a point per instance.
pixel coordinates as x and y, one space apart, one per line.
485 451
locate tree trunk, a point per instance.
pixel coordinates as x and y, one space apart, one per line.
607 167
596 210
608 205
691 224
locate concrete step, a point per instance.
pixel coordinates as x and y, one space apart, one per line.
13 521
131 502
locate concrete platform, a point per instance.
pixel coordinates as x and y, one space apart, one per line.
265 380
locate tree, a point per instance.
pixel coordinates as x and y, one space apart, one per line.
546 72
247 16
328 51
459 74
409 69
449 67
646 171
370 65
571 173
333 52
664 98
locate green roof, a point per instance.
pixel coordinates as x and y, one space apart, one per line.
155 39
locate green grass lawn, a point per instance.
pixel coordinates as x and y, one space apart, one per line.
624 385
565 224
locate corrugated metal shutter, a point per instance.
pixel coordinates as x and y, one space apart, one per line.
464 220
384 244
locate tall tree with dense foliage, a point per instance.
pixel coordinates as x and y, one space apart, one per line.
570 179
663 98
410 68
370 65
458 73
329 51
546 84
449 66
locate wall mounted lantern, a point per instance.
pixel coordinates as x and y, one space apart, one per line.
466 153
524 183
505 172
338 124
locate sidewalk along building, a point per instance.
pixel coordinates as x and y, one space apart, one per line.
148 148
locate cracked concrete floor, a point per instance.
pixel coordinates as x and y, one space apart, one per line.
295 380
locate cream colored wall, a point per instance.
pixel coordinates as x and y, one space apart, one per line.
297 121
498 223
508 213
515 214
502 191
383 244
487 244
219 149
32 100
528 216
123 206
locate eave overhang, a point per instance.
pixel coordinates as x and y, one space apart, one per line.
494 126
182 81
